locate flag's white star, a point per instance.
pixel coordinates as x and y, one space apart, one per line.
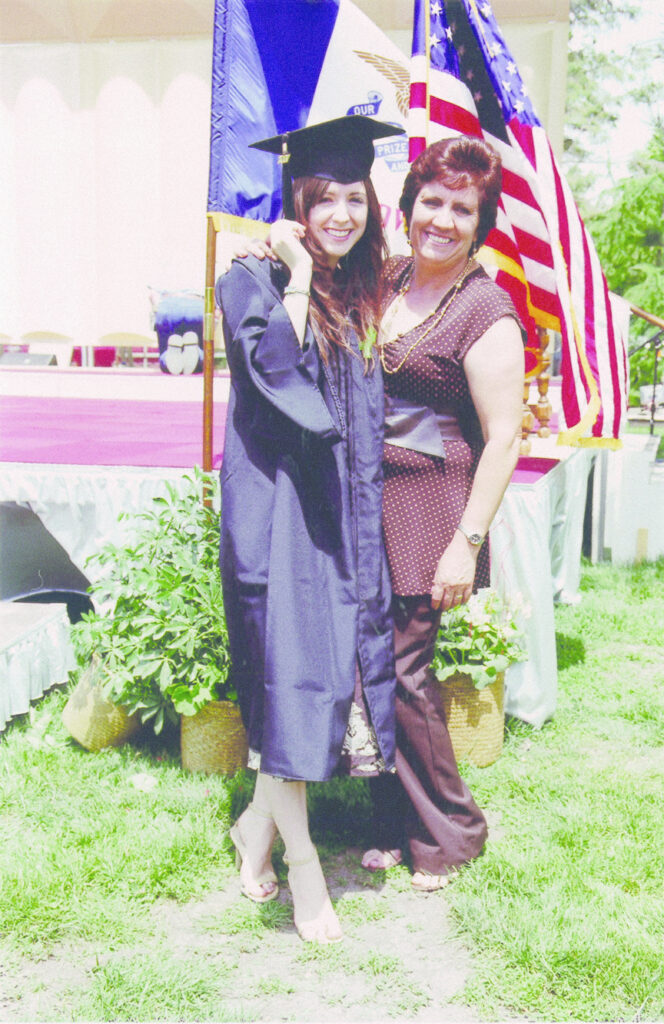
477 96
519 107
485 10
436 8
495 49
448 33
511 67
507 86
434 40
524 91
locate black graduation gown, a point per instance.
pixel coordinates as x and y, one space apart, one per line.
305 579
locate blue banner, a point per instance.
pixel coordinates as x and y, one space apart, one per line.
266 63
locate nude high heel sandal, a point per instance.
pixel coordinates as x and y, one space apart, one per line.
263 888
324 928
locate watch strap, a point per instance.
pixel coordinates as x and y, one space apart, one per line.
476 539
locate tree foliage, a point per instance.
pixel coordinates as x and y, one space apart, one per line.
625 220
597 81
629 235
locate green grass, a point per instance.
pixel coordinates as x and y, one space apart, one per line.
156 987
562 917
565 909
99 848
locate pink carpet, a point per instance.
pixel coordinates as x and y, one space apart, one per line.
113 432
106 432
530 468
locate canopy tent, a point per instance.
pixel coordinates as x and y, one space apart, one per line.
104 109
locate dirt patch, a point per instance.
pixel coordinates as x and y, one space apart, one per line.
399 959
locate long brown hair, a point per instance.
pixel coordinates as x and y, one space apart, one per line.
350 291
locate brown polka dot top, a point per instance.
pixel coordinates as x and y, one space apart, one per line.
424 496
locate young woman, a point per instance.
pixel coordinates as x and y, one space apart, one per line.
306 586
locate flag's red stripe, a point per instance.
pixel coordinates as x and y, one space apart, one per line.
615 376
591 348
545 300
541 298
503 243
532 247
416 145
524 136
518 293
571 402
522 245
453 116
418 95
595 293
442 112
517 243
516 186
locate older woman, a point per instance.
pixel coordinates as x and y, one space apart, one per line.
452 355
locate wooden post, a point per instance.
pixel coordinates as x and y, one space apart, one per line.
208 344
527 422
543 410
650 318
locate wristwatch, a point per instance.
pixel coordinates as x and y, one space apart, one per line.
473 538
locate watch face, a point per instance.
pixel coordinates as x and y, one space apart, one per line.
475 538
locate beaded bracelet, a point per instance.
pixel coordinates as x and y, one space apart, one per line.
292 289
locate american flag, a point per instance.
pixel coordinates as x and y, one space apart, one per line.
464 80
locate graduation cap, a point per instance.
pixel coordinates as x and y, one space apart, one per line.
339 150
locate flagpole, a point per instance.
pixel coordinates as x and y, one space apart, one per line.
427 52
208 343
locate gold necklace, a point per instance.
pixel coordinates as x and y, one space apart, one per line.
436 321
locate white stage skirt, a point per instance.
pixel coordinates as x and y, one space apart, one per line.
536 544
35 654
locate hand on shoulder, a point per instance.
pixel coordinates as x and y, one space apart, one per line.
286 243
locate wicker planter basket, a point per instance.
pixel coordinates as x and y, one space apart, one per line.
213 740
475 718
94 721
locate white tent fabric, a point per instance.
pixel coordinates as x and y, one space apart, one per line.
104 116
102 181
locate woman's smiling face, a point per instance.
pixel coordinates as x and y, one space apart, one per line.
443 225
339 219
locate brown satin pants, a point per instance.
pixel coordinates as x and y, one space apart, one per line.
426 804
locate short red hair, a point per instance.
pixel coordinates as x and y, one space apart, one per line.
458 163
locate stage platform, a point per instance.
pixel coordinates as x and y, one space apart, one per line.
119 417
80 447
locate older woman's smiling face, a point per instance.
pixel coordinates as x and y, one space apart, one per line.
443 225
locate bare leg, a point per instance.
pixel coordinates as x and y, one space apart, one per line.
253 835
315 918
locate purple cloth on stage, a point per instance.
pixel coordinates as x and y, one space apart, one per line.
106 432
